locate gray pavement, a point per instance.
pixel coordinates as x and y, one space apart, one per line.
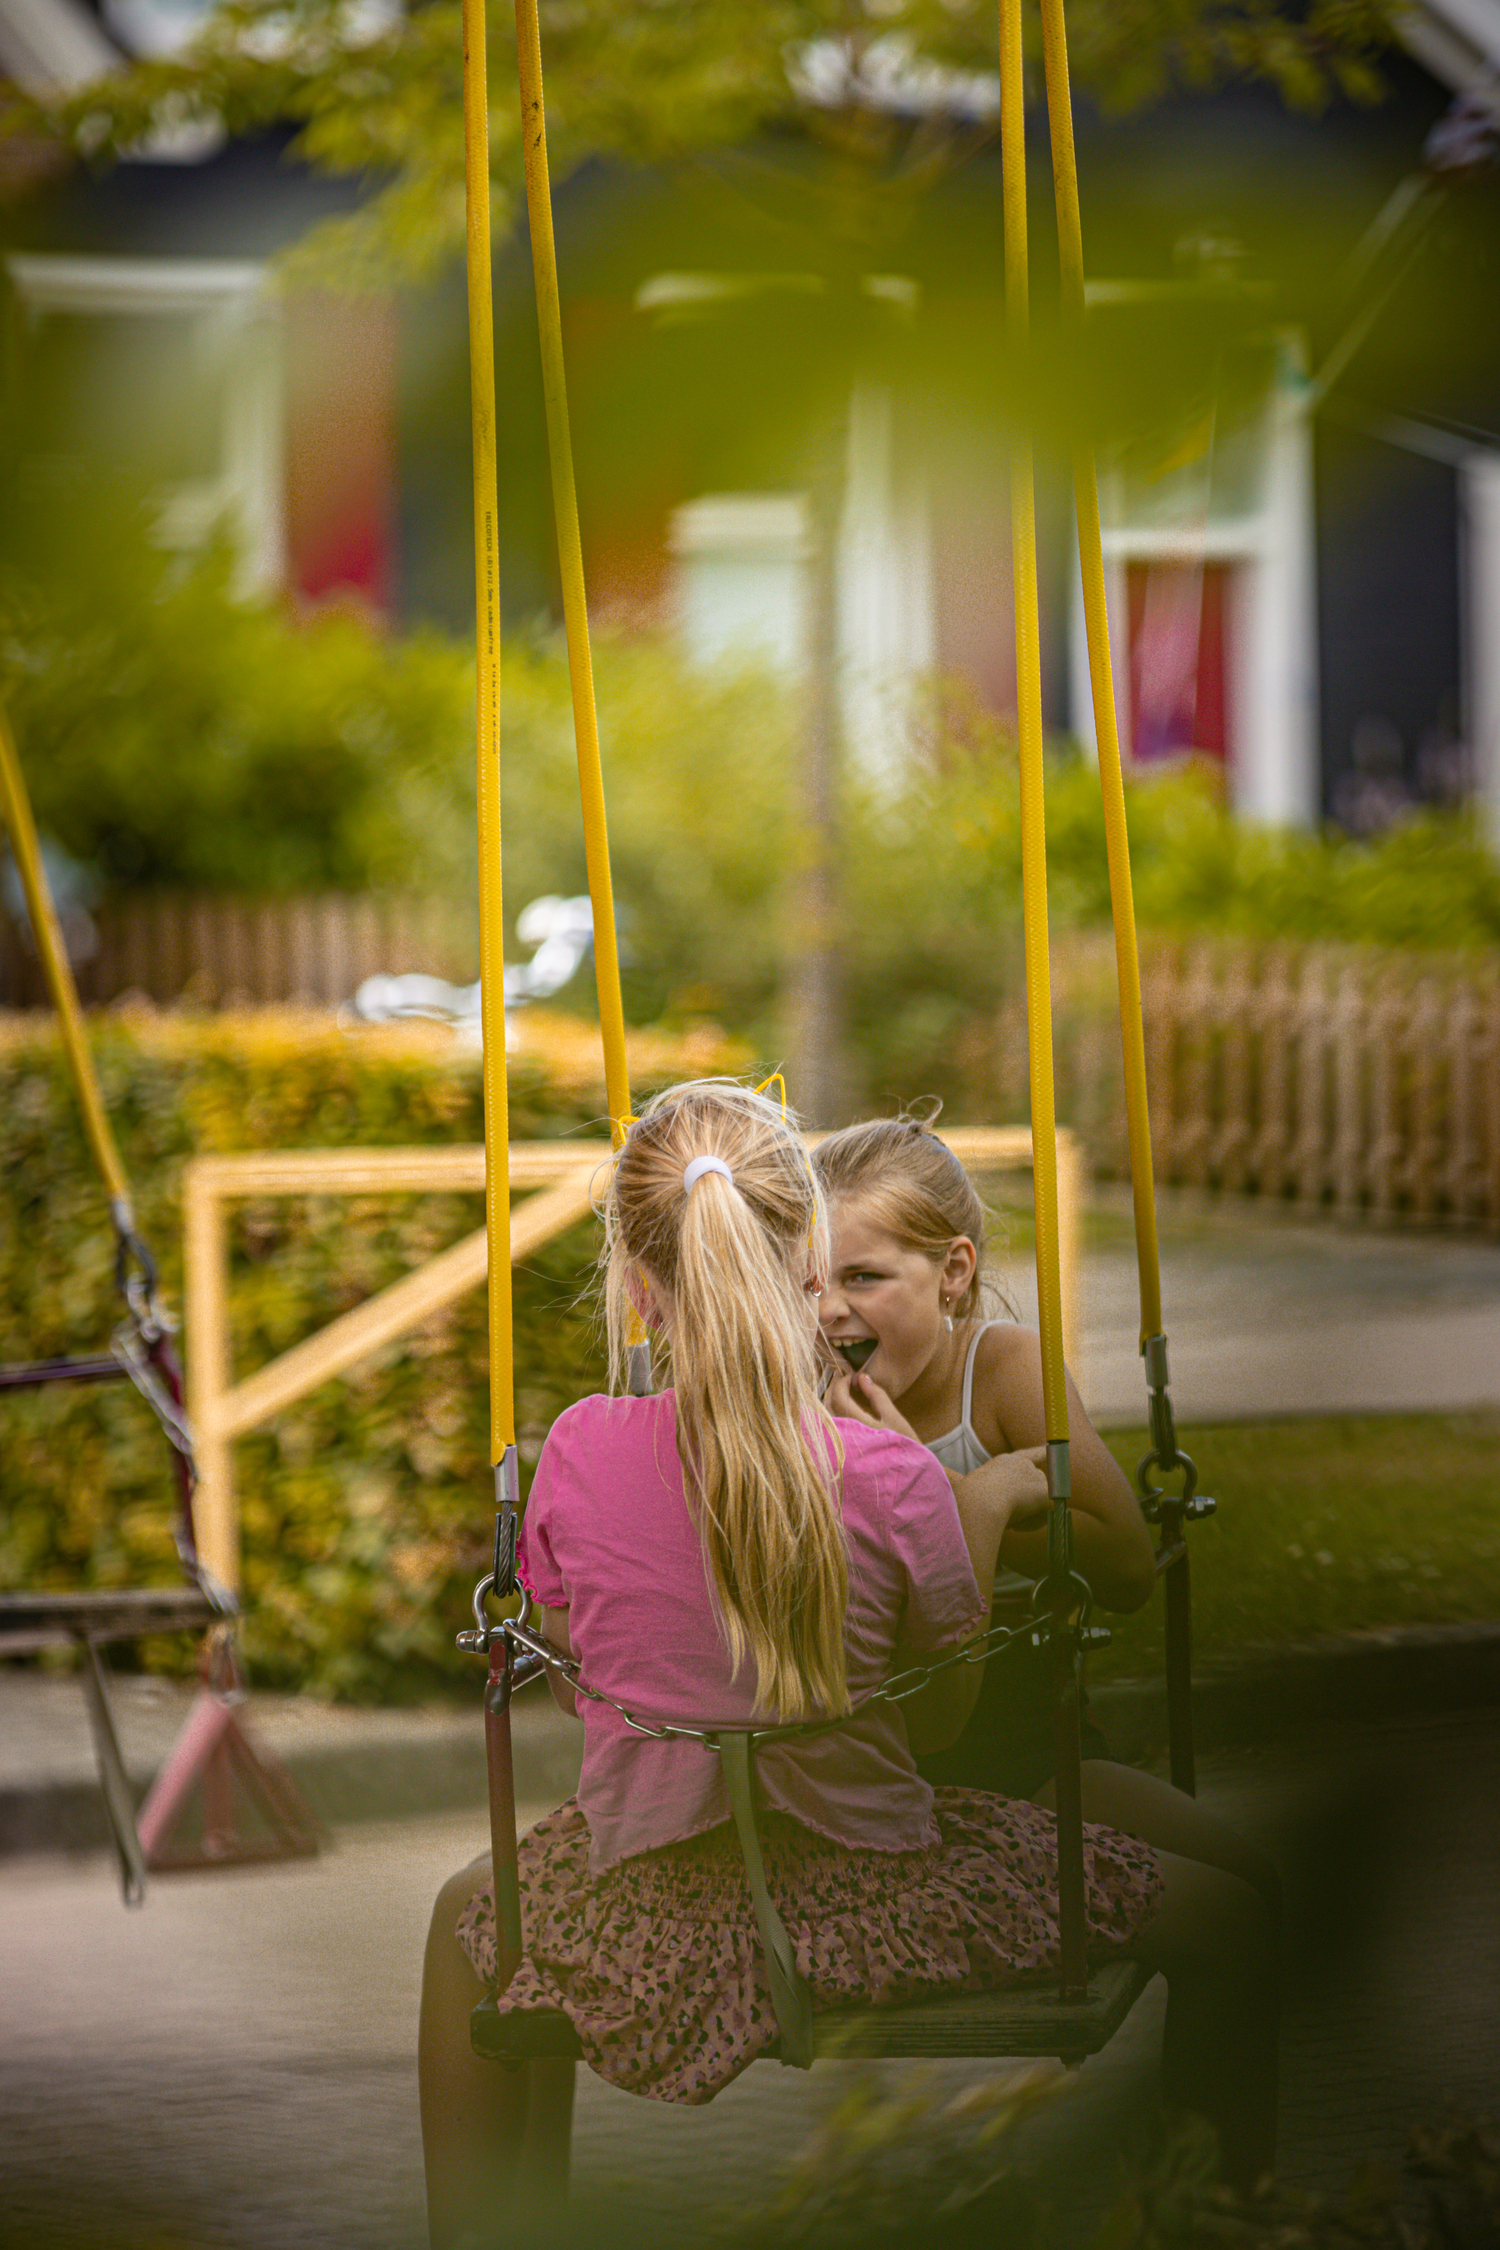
350 1763
1269 1313
233 2065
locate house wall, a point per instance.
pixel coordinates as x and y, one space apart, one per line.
1362 622
1480 496
1389 608
171 264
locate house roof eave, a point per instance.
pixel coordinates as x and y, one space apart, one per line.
1458 41
53 46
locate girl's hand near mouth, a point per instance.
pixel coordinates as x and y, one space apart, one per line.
859 1398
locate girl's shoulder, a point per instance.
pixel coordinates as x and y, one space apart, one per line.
1007 1384
601 1420
603 1408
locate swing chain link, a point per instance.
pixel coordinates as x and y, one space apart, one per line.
136 1275
130 1344
1037 1629
136 1344
222 1675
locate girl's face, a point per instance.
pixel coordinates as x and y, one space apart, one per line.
878 1288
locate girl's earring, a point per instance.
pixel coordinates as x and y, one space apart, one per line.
947 1317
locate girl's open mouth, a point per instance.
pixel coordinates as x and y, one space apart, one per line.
855 1350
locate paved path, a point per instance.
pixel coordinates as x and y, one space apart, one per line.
232 2066
1275 1315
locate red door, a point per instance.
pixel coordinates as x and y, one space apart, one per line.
1178 699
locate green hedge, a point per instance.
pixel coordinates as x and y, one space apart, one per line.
366 1507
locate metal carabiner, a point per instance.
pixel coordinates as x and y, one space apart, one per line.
477 1642
1154 1498
1082 1634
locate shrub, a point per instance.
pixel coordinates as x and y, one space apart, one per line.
366 1507
177 738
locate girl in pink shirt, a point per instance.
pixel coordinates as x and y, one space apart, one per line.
727 1551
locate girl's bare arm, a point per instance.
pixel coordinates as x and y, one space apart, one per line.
552 1626
1111 1541
988 1502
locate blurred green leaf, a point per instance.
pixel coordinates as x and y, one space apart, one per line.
649 83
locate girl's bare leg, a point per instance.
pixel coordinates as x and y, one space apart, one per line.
1216 1940
490 2136
1140 1804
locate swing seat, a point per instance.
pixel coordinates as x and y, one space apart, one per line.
1026 2019
47 1618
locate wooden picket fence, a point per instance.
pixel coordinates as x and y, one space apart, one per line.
228 952
1335 1078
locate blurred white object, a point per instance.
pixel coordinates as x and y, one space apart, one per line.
74 889
560 929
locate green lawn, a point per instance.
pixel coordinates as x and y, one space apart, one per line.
1330 1526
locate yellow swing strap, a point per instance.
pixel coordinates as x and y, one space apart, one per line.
570 565
1061 1583
1106 727
1029 734
575 608
487 652
15 805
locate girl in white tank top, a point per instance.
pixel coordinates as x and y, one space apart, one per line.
907 1332
912 1347
961 1450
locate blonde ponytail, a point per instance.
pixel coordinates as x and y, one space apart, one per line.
760 1454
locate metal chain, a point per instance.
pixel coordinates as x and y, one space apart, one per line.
131 1344
897 1690
128 1344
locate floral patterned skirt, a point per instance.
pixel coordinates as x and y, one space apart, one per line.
658 1964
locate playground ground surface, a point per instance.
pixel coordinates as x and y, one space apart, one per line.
232 2068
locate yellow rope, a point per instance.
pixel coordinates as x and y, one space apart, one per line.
570 563
487 612
15 805
1029 731
1096 615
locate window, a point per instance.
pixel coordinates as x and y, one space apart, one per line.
163 372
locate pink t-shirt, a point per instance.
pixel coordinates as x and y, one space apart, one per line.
608 1536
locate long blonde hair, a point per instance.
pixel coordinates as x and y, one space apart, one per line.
760 1454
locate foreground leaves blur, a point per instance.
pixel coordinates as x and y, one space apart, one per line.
901 2162
378 94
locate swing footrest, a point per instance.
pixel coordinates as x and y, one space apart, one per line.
1023 2019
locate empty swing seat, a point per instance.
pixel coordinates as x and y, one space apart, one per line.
45 1618
1028 2019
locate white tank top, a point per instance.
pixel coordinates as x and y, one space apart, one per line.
960 1449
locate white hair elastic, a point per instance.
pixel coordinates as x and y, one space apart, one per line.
701 1164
